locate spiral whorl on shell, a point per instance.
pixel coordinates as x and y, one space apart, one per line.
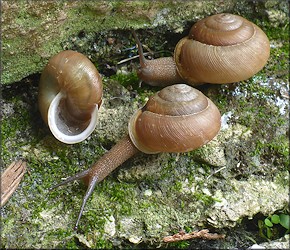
222 48
70 93
178 118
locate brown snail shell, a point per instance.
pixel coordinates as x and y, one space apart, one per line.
178 118
70 93
222 48
162 125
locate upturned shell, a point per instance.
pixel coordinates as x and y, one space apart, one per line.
70 93
178 118
222 48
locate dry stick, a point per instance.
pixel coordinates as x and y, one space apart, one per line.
203 234
10 179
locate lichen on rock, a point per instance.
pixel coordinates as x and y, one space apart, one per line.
242 172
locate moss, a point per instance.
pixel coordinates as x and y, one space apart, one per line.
30 20
179 245
258 104
181 192
42 30
102 244
256 112
127 80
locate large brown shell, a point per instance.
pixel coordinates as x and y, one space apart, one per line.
71 82
178 118
222 48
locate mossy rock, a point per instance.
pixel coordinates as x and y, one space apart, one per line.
221 186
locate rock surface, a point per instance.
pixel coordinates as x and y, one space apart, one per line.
225 186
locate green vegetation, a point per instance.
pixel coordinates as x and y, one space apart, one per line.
274 226
182 187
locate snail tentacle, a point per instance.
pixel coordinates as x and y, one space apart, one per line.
165 120
222 48
140 50
78 176
89 191
118 154
157 72
91 185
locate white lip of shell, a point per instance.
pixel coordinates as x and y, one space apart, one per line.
69 139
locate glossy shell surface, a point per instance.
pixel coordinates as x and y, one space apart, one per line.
178 118
70 93
222 48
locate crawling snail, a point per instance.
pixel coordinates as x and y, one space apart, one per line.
222 48
178 118
70 93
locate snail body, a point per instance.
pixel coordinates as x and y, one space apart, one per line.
70 93
221 48
178 118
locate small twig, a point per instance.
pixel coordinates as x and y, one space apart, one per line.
10 179
284 94
203 234
131 58
220 169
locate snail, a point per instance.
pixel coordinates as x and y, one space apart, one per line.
70 93
221 48
178 118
